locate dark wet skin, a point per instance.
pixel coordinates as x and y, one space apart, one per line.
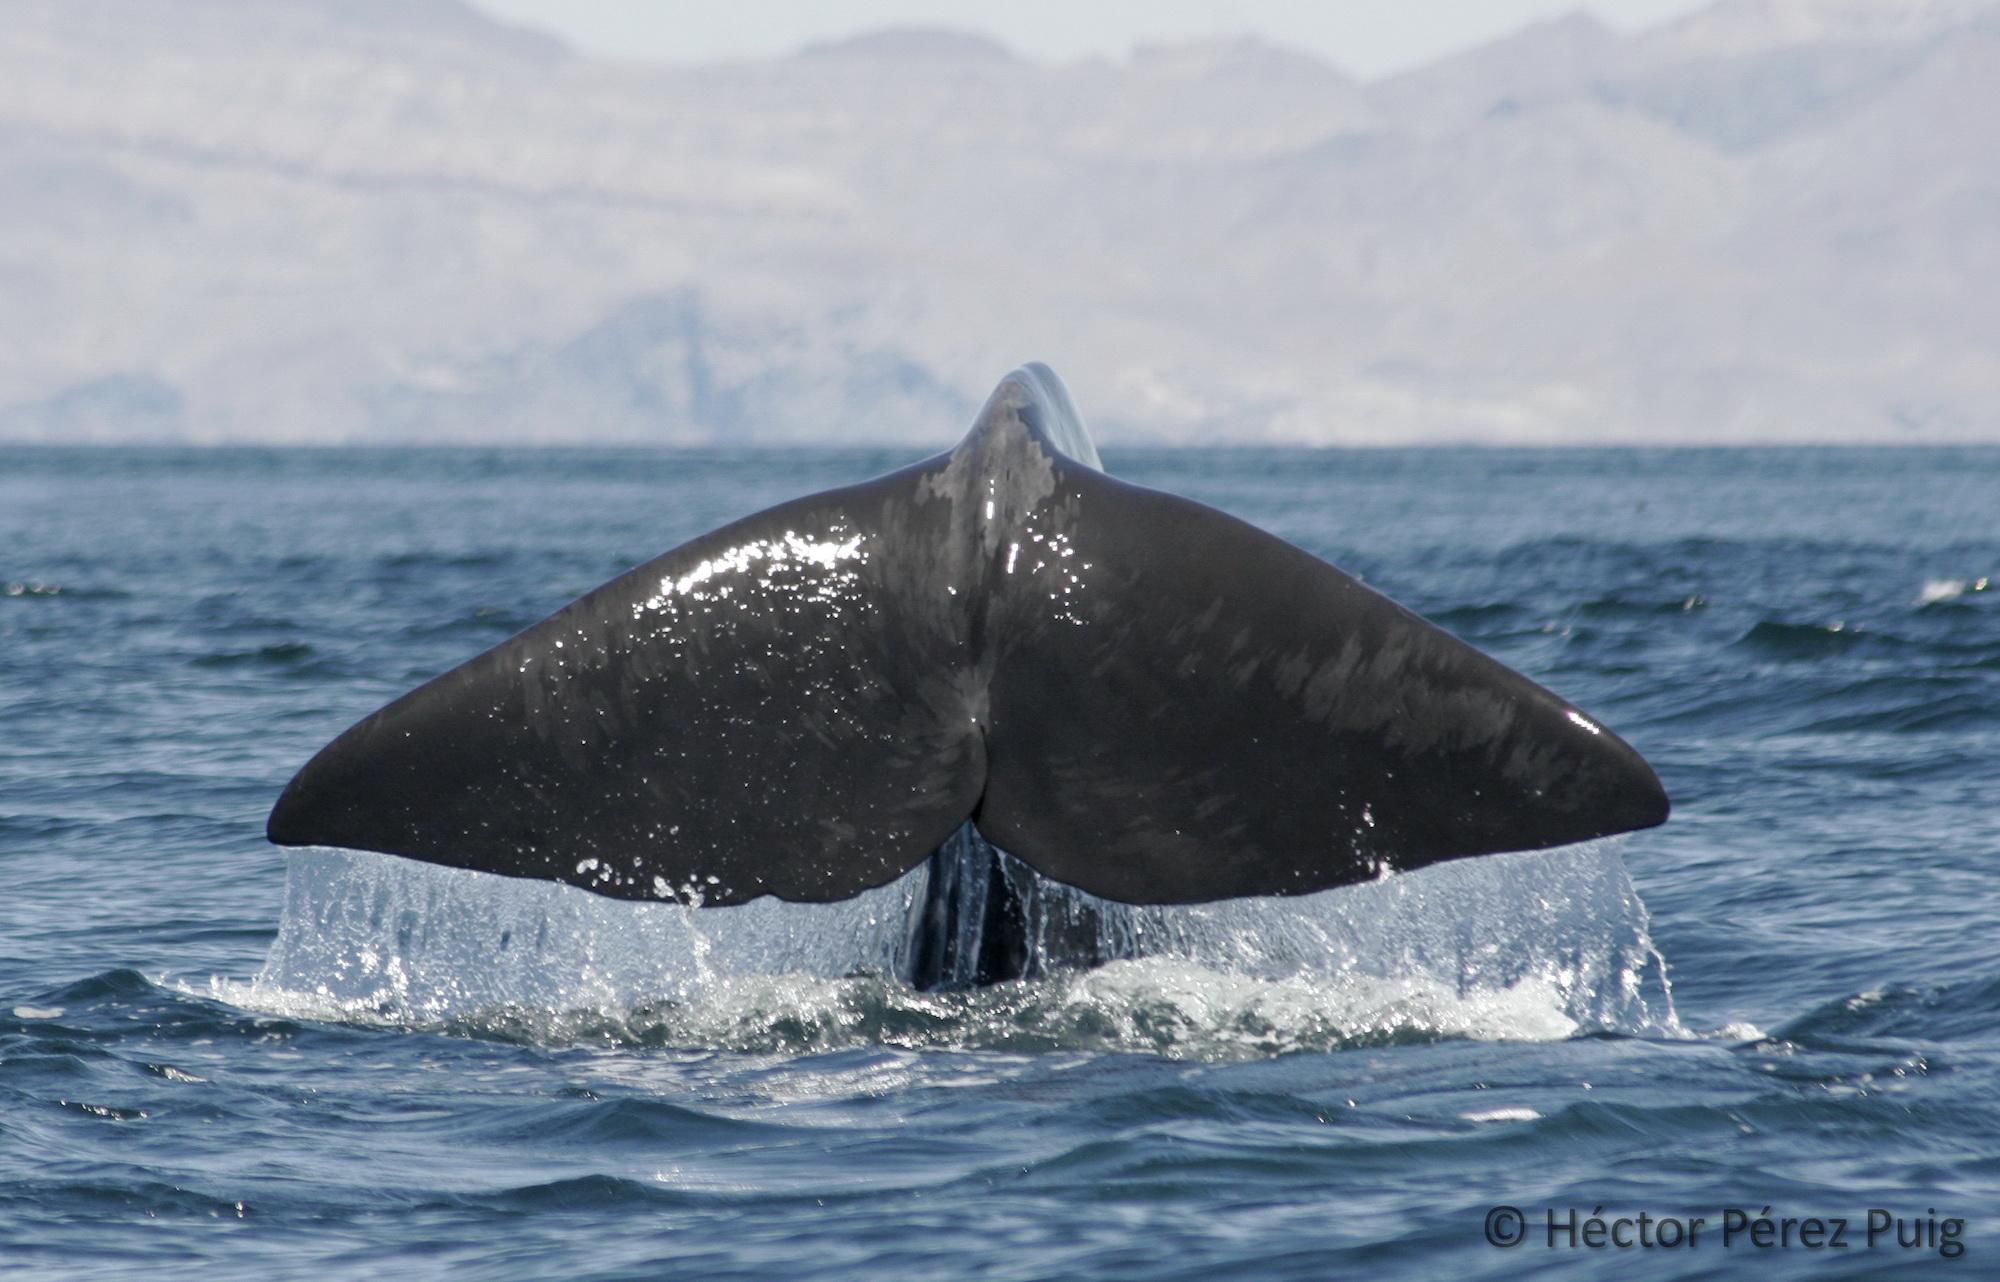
1131 693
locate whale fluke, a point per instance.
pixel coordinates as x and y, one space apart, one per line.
1129 692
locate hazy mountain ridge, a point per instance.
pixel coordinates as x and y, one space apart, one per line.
315 221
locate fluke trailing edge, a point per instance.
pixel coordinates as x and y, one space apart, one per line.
1131 693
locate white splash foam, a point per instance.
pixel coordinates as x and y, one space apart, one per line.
1163 1003
417 941
1935 590
1564 922
1534 946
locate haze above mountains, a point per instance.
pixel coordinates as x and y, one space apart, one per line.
322 221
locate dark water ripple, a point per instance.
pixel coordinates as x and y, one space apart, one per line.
1806 642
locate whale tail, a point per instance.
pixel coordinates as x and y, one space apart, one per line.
1131 693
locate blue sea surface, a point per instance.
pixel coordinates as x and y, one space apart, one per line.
221 1061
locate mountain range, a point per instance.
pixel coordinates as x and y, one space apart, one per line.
327 221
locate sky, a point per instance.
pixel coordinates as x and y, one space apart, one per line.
1367 38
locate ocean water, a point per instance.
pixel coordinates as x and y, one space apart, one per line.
220 1061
